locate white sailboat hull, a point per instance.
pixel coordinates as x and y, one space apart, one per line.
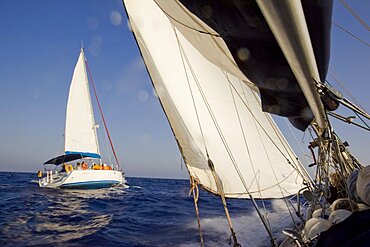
83 179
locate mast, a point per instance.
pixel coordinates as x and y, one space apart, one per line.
95 126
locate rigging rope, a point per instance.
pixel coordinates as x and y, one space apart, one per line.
246 143
362 120
191 91
341 84
355 15
183 56
223 199
354 36
267 134
233 161
299 144
272 169
215 176
101 113
195 191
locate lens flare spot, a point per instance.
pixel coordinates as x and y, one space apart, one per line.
243 54
143 96
115 18
92 23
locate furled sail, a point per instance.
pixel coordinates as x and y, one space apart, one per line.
213 114
80 129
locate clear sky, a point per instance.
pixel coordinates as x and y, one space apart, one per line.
39 46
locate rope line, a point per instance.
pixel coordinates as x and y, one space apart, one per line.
195 191
218 127
223 139
266 153
246 143
335 75
101 113
191 91
243 133
355 15
301 149
219 188
348 32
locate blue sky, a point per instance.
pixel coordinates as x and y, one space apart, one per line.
39 46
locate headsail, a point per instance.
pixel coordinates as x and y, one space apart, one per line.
80 129
213 114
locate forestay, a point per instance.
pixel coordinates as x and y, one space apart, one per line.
213 113
80 130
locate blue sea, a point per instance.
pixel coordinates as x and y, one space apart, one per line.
150 212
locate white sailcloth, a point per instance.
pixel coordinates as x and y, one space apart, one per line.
205 39
213 112
80 131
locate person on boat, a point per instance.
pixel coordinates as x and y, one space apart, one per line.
64 167
67 167
84 166
96 167
336 187
106 167
78 166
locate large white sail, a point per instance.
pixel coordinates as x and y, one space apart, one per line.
212 113
80 130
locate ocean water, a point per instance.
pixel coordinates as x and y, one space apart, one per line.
150 212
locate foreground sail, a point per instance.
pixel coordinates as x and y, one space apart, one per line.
81 143
206 59
213 114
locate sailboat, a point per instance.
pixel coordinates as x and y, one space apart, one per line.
220 68
81 165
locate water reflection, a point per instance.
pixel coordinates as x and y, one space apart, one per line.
59 216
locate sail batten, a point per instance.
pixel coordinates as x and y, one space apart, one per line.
207 117
80 129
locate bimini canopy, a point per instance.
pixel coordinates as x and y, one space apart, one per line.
70 156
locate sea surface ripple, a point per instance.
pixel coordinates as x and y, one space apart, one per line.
150 212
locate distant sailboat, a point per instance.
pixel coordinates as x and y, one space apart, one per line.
215 66
81 143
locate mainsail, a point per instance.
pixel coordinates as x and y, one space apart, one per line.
214 115
80 129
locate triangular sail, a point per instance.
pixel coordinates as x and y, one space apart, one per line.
80 130
212 113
